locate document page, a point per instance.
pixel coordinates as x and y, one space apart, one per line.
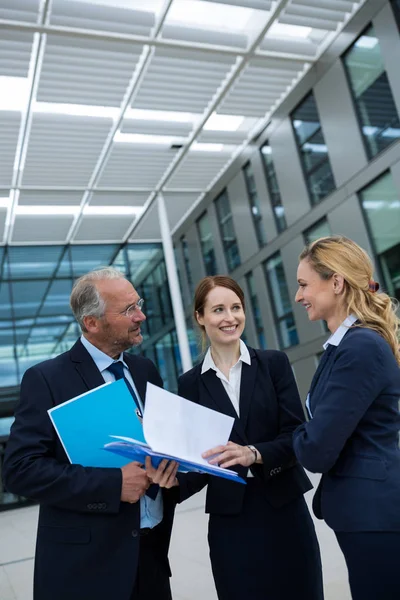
175 426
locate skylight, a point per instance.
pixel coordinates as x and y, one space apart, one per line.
4 202
289 31
142 138
203 15
47 210
200 147
223 122
77 110
14 93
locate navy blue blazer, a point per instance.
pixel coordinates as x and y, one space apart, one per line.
87 540
353 436
270 410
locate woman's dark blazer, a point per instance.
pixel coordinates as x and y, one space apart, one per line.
353 436
270 410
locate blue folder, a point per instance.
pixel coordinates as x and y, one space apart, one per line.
138 451
85 423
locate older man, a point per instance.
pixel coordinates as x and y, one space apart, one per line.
99 536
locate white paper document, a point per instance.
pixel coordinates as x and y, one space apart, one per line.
175 426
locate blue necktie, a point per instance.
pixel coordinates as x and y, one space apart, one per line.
117 369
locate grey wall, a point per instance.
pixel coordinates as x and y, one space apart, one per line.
242 219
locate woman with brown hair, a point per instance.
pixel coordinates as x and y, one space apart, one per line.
261 536
353 434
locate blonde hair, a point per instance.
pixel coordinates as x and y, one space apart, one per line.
338 254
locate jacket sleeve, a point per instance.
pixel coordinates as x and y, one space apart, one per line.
278 454
30 466
355 381
189 483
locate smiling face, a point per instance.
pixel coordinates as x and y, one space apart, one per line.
222 317
115 332
320 297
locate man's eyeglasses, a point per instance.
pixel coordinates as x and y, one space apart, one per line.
130 311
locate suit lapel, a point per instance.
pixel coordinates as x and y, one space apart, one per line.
317 375
249 373
86 366
219 396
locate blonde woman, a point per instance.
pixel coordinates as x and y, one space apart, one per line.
353 433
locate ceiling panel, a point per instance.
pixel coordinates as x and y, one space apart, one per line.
3 215
79 71
38 229
148 228
98 16
198 170
259 86
49 198
15 53
187 80
63 150
9 131
20 10
118 198
135 165
96 229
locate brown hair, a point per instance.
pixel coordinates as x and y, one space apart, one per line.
203 288
338 254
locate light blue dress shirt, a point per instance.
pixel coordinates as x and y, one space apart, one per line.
151 511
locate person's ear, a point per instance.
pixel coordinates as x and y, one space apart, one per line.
199 318
338 283
91 323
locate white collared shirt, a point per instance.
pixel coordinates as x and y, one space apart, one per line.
231 385
340 332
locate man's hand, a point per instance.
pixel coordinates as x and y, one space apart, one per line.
165 474
134 482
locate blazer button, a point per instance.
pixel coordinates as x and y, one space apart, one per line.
90 506
135 533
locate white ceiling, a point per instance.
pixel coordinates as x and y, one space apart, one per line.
80 81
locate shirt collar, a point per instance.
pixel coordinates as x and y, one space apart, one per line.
102 360
208 362
340 332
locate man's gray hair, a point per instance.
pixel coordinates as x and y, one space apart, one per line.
85 298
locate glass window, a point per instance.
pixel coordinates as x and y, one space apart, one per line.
396 10
381 205
316 231
255 307
254 205
207 248
186 260
313 150
227 230
273 188
372 95
276 280
168 360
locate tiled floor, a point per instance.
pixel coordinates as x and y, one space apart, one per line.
192 578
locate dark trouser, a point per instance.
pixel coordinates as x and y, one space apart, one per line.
373 561
152 577
265 553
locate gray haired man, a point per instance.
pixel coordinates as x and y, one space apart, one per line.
99 535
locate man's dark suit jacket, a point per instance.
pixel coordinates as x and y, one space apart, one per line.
88 540
353 436
270 410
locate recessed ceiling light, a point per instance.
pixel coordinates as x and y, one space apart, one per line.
47 210
161 115
200 147
223 122
112 210
292 31
202 15
77 110
14 93
142 138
